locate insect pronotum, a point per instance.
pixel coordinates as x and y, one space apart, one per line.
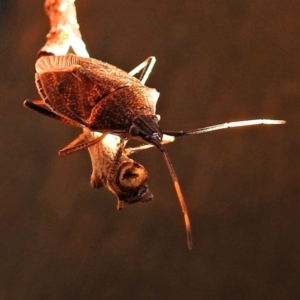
89 93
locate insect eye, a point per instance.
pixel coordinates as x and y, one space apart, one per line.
134 130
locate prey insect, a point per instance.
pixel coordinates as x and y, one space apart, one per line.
89 93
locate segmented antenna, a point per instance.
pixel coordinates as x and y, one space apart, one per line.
225 126
180 198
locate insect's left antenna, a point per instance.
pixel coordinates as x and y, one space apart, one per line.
180 198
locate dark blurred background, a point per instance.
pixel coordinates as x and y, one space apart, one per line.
217 61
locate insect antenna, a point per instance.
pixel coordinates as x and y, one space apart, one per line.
180 197
225 126
198 131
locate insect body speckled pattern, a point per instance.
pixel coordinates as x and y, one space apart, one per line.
97 95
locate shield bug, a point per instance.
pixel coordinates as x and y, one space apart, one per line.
89 93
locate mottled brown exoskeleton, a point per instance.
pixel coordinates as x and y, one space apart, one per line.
89 93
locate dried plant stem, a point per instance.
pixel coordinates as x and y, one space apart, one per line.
129 183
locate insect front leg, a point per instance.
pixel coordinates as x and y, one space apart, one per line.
165 140
37 105
146 66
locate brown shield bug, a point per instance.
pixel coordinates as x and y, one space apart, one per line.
89 93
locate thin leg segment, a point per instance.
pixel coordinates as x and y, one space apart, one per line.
146 66
36 105
166 140
79 144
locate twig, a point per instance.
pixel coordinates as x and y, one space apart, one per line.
130 182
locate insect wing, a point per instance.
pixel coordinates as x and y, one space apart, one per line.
74 85
73 90
118 110
99 68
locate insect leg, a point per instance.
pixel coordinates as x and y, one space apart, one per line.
36 105
225 126
166 140
79 144
146 66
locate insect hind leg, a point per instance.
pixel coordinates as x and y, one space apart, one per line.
79 144
146 67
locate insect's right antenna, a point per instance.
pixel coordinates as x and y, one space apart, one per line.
225 126
180 197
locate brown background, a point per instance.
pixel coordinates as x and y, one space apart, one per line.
218 61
